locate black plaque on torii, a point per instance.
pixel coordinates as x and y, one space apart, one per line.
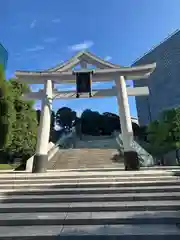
83 83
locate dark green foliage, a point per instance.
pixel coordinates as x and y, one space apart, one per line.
6 112
65 117
164 134
90 122
24 132
140 132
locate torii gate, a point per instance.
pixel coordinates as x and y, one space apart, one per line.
63 73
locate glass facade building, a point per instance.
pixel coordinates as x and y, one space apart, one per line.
163 83
3 56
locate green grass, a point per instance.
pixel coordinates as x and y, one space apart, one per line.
5 166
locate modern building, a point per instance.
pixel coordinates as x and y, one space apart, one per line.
3 56
164 82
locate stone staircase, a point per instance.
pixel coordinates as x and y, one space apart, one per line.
90 204
90 152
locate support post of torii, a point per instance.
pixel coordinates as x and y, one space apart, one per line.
41 155
130 156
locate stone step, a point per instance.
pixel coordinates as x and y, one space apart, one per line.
95 184
85 174
88 232
123 197
102 190
104 169
87 179
172 205
89 218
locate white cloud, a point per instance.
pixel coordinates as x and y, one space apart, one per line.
50 40
33 24
81 46
107 58
56 20
35 49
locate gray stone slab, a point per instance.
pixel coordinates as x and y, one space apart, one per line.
90 215
88 204
142 229
102 190
32 205
83 230
95 196
79 215
134 203
135 214
89 179
120 230
30 231
92 184
32 216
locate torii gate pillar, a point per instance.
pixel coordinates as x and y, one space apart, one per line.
130 156
41 156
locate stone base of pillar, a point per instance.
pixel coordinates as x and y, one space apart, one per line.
131 161
40 163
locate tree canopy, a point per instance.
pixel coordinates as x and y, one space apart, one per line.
24 132
65 117
18 121
164 134
7 115
90 122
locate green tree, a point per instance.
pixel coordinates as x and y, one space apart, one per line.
6 112
91 122
164 134
24 132
157 137
172 119
65 117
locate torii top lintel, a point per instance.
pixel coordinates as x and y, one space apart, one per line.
105 71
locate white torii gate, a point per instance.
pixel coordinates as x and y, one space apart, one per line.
105 71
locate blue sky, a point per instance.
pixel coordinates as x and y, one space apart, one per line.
39 34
